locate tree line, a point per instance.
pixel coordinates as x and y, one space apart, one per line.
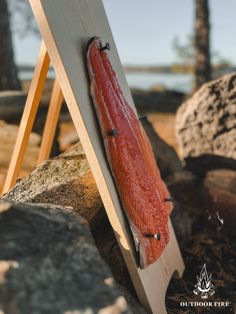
8 71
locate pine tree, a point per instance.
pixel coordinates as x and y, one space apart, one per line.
202 43
8 71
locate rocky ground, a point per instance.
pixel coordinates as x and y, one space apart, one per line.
57 247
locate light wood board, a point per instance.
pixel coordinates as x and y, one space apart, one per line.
66 27
51 123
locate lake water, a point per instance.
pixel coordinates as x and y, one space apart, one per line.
181 82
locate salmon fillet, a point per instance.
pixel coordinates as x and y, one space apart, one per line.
144 195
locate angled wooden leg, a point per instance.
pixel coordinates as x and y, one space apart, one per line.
28 117
51 122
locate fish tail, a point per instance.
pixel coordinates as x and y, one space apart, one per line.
148 248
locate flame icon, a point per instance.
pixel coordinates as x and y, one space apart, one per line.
204 285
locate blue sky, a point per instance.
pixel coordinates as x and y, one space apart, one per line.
144 30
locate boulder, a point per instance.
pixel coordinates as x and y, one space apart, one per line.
219 188
65 180
164 125
3 174
11 105
157 100
206 125
49 264
186 196
9 132
7 141
166 157
68 135
109 250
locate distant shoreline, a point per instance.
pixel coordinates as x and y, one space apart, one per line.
173 69
176 69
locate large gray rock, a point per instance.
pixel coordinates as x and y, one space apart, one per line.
11 105
187 200
7 142
166 157
65 180
157 100
49 264
206 124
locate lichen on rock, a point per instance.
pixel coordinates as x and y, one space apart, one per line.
206 123
65 180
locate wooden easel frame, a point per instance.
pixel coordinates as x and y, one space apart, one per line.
28 118
85 19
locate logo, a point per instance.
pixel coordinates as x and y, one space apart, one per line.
204 285
204 289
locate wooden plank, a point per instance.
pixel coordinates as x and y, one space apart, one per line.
66 28
51 122
28 117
